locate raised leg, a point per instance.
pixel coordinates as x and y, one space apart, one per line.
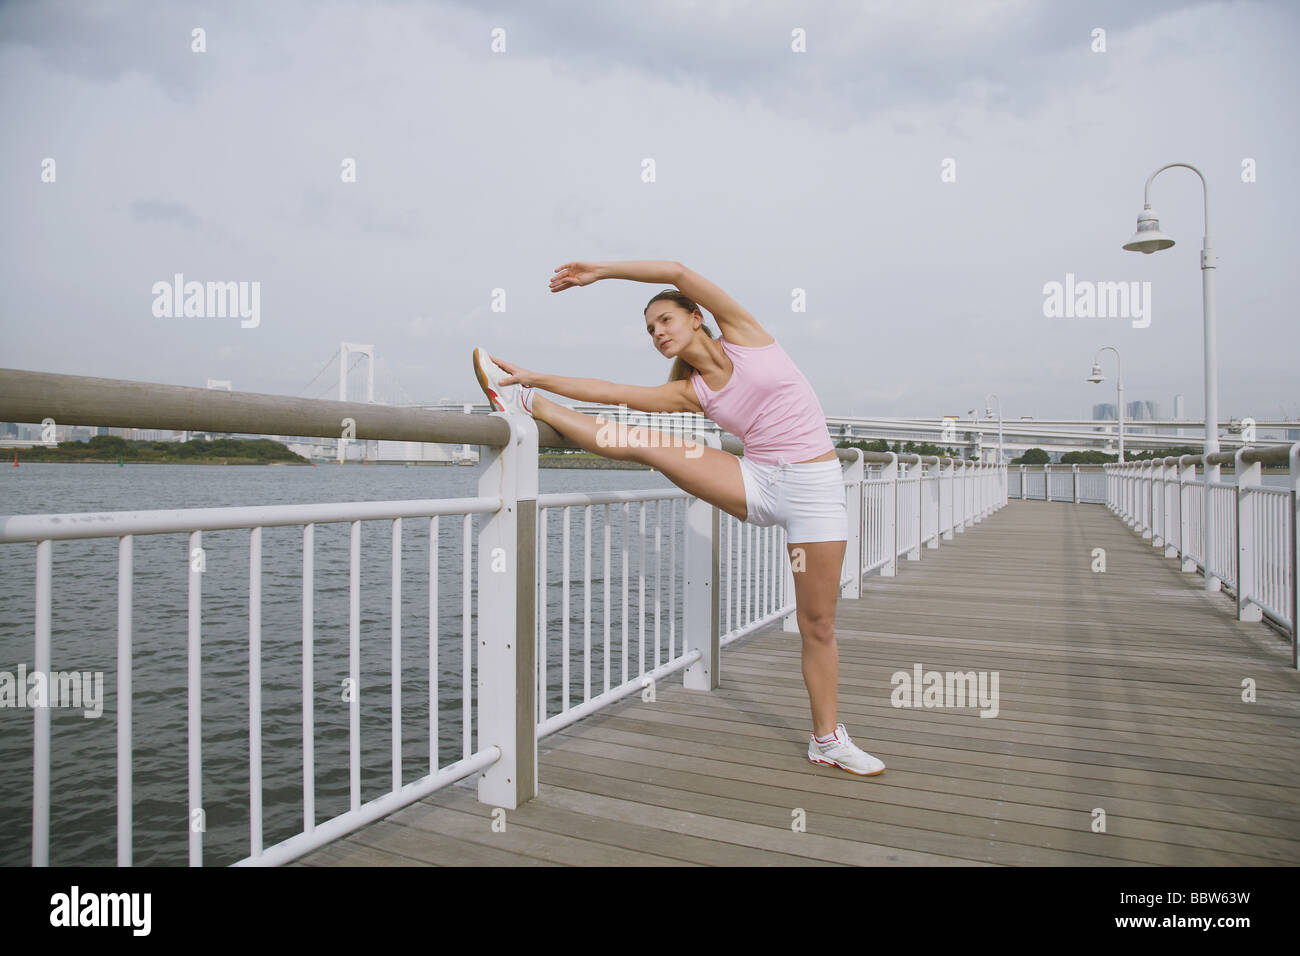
707 473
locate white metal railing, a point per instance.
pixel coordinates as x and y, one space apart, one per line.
690 579
626 656
649 546
1250 544
45 530
1077 484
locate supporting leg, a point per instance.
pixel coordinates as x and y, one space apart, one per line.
816 567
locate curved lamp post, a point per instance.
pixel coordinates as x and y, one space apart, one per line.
988 413
1096 379
1149 239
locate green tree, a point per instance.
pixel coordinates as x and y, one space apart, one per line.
1032 456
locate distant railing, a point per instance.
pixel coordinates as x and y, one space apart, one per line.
1251 544
714 580
1076 484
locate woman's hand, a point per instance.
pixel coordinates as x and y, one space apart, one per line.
518 374
575 273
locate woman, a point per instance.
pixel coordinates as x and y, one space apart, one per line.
790 474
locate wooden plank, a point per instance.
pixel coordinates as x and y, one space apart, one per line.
347 852
897 744
429 847
1145 841
944 764
475 826
542 814
725 821
1118 690
1070 793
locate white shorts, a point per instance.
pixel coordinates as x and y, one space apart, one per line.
805 498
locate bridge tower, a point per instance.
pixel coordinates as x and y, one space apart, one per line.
346 349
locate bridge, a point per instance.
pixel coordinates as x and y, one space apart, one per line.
1033 652
986 438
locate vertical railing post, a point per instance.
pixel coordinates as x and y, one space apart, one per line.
889 529
1186 479
1123 494
914 552
1136 501
125 787
1172 509
1157 502
1074 478
701 610
1129 484
41 710
1135 496
1139 486
507 586
1248 476
194 701
1147 497
1047 482
1293 551
948 472
1211 473
963 521
1022 482
854 474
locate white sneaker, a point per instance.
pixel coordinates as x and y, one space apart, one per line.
514 398
842 752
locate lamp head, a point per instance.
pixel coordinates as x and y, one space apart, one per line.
1096 377
1148 238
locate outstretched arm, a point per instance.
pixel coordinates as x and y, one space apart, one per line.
584 273
678 396
735 323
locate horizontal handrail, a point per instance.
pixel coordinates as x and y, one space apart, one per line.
81 400
564 499
113 524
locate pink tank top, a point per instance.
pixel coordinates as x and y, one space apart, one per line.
768 405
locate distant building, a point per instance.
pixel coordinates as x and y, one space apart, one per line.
1141 411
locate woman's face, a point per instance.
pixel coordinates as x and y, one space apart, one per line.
669 326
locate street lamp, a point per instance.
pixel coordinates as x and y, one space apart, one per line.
1149 239
988 412
979 435
1096 379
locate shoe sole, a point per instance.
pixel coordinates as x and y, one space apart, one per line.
858 773
493 399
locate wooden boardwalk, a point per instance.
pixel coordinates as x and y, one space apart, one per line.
1119 691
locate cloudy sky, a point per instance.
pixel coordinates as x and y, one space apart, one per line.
920 170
